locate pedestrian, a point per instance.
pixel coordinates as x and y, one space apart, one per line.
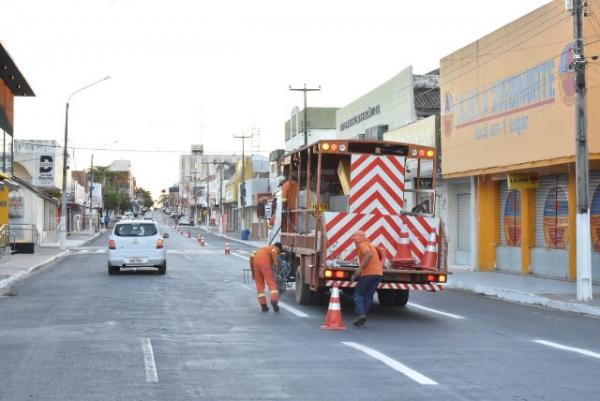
289 194
369 275
106 220
262 264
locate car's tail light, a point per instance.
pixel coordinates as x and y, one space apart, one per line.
159 243
112 244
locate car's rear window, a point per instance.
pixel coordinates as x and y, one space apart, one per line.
135 230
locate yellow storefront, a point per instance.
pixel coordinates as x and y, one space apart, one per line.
508 119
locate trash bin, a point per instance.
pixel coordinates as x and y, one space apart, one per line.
245 234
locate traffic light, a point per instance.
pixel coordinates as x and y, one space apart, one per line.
243 194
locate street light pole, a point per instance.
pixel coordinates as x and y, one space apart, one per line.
91 193
63 209
243 179
305 89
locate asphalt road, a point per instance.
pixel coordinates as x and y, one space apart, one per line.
72 332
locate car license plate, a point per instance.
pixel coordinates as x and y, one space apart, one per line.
135 260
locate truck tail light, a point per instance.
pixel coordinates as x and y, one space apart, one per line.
431 277
112 244
442 278
159 243
339 274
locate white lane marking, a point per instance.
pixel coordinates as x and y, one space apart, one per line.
240 256
439 312
565 348
149 364
293 310
392 363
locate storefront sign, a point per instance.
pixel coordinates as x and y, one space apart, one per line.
507 110
521 181
365 115
45 171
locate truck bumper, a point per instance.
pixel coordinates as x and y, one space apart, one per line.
432 287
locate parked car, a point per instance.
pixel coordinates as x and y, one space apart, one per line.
185 221
136 243
149 216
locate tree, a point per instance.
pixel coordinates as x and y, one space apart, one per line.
144 196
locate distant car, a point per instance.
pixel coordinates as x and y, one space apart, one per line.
136 243
185 221
148 216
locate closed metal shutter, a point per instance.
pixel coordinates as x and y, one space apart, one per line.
503 195
463 203
547 186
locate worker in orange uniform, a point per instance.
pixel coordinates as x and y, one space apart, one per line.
289 194
369 275
262 263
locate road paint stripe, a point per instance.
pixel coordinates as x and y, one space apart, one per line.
240 256
439 312
566 348
149 364
392 363
293 310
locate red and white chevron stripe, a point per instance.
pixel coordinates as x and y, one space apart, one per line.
392 286
380 230
377 184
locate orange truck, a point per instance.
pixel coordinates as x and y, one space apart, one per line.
331 189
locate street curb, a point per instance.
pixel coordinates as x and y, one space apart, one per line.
520 297
7 282
224 236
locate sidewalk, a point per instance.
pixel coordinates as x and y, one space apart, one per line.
531 290
16 267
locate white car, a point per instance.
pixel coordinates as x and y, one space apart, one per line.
149 216
136 243
185 221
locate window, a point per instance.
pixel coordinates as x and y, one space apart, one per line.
556 219
135 230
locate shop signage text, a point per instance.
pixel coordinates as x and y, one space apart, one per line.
365 115
521 181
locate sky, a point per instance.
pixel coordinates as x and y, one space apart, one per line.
193 71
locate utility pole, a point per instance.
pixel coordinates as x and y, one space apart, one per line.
91 192
243 180
305 89
207 164
582 167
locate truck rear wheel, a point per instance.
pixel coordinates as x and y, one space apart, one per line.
389 298
386 297
401 298
303 292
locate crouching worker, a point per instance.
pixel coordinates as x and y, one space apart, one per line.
262 264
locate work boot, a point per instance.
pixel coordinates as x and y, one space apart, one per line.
275 306
360 321
264 308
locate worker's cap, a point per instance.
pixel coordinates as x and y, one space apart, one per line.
359 236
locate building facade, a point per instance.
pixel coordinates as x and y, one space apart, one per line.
321 125
508 124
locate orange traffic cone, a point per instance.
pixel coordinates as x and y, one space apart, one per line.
199 238
227 249
403 256
429 261
333 320
202 241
